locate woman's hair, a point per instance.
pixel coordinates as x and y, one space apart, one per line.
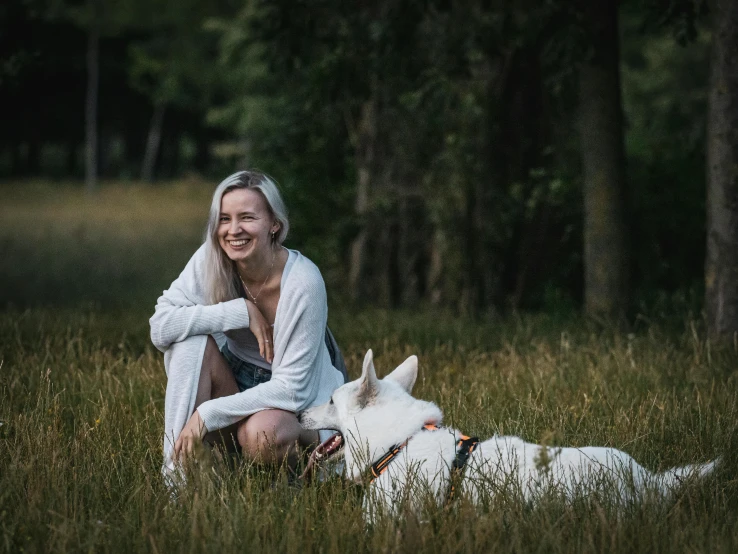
221 279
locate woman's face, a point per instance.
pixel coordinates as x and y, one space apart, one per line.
245 225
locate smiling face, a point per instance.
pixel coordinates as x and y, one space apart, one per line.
245 225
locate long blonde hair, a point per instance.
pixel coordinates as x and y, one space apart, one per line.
221 279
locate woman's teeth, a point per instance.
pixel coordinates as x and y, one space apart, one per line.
238 242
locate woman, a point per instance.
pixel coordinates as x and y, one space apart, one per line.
265 306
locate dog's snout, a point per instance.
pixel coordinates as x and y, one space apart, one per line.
299 417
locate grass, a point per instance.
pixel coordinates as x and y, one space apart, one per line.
82 395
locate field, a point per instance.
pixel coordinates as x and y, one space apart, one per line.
82 396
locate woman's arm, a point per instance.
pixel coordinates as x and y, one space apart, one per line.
181 310
295 376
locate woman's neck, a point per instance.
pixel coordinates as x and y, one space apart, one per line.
257 270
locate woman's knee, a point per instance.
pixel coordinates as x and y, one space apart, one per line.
264 439
181 357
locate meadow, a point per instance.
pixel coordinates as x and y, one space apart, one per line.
82 397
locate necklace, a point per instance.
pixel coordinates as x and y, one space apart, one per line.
274 255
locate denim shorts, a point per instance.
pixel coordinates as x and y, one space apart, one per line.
247 375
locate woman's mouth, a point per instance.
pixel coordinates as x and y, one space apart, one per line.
238 243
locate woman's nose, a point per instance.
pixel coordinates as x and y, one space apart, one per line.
234 227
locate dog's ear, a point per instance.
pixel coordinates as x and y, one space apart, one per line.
367 371
368 386
405 374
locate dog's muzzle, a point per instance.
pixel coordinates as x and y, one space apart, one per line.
322 452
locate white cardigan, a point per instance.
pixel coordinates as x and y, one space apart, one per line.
302 374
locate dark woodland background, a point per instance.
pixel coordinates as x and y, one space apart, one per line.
478 155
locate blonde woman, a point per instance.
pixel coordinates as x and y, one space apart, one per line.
244 335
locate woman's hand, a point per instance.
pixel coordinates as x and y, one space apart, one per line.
262 331
192 434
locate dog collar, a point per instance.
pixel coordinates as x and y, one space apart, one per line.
464 447
381 465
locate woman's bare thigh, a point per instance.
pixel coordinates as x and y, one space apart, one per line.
216 381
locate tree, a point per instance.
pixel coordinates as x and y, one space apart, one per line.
172 63
98 19
442 108
93 84
434 144
721 264
606 257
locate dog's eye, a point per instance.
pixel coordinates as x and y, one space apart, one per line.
331 402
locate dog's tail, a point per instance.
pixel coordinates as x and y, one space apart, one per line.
673 478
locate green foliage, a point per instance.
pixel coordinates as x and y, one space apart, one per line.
170 58
665 101
109 17
475 186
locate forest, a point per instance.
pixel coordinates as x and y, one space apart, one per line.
484 156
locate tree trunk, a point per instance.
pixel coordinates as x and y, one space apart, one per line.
71 157
471 287
606 267
93 72
33 161
153 141
412 242
366 137
244 146
16 159
384 243
436 266
721 264
202 154
529 253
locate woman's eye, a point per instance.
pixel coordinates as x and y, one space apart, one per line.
223 218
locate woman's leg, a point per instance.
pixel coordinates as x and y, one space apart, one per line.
274 436
217 380
269 436
216 377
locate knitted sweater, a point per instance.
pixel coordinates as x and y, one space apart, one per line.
302 374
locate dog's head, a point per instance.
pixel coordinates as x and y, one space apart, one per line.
372 414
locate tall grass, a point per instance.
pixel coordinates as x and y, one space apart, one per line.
81 402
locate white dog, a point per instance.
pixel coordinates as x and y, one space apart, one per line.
397 441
